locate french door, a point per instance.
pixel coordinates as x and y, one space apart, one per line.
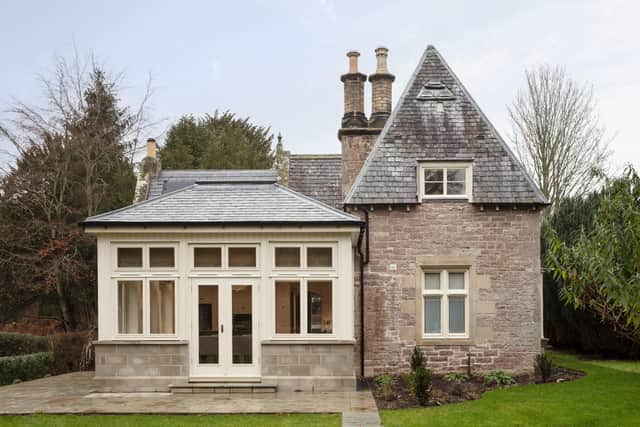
224 341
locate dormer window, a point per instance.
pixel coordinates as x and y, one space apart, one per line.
450 180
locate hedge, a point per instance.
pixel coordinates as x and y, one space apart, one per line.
13 344
24 367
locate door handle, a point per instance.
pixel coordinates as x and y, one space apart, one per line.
221 328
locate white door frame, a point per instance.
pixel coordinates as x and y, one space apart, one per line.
225 369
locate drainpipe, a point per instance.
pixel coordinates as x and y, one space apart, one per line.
364 260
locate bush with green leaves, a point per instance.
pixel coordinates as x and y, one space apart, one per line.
24 367
456 377
417 358
386 382
544 366
14 344
422 385
498 378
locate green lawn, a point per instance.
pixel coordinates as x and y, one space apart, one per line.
608 396
172 421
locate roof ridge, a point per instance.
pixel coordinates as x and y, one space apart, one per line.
316 156
387 125
316 202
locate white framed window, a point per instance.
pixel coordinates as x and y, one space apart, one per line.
146 307
215 256
448 180
445 303
207 257
303 307
287 256
144 257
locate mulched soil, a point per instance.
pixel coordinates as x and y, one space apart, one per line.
444 392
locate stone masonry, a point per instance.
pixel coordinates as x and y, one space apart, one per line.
308 366
142 359
502 249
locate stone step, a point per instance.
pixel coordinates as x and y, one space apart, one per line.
221 387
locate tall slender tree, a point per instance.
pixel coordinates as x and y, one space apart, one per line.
557 134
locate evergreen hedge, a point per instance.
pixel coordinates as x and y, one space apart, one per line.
13 344
24 367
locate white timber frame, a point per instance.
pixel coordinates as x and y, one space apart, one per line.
341 239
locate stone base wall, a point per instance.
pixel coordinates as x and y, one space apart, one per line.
502 248
309 366
137 363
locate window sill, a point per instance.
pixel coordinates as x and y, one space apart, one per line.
138 341
306 340
445 341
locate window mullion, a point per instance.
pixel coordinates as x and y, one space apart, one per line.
303 307
444 181
146 308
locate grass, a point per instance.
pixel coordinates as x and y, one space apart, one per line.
607 396
172 420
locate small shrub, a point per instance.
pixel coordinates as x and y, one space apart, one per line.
14 344
498 378
386 382
417 358
456 377
24 367
544 366
422 385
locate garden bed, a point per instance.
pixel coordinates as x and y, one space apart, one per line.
444 392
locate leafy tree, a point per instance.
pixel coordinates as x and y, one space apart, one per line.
599 271
221 141
556 133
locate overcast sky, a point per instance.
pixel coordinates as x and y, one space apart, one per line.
279 62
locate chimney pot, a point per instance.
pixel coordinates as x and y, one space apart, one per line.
381 59
353 61
152 147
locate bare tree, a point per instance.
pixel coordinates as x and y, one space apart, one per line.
557 134
74 158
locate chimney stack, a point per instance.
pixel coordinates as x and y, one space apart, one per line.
152 147
381 83
354 94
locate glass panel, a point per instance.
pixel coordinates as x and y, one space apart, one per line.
130 307
208 321
207 257
162 298
456 280
242 329
129 257
287 257
455 188
242 257
456 315
433 175
432 281
319 307
432 315
161 257
456 175
319 257
433 188
287 307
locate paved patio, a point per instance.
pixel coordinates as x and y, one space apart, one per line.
78 393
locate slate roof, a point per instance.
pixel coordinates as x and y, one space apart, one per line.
170 180
420 129
318 176
245 203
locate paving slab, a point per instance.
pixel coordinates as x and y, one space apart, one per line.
79 393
